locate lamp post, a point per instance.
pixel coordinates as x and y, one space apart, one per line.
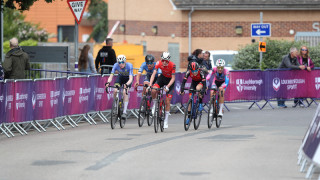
1 32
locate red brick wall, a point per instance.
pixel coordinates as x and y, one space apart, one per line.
210 29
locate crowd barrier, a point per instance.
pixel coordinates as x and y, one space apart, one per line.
61 99
309 152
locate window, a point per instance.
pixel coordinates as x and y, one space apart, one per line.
66 33
174 51
144 44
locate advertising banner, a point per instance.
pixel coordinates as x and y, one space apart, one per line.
23 109
286 84
58 96
2 102
10 95
42 100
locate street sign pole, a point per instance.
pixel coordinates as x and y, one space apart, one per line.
1 33
76 45
261 39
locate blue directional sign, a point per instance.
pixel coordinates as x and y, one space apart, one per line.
261 30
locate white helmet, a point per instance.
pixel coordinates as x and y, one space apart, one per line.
220 63
121 58
165 56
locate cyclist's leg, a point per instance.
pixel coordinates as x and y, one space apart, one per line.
116 83
200 87
168 101
213 93
221 98
124 80
146 82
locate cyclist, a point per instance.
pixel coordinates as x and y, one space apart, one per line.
125 78
198 82
166 79
148 66
220 80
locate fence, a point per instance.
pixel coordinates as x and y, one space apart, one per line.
42 102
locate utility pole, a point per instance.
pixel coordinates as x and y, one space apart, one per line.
261 38
1 33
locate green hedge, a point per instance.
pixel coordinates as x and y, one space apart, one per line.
249 56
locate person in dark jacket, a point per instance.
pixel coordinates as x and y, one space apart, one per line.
289 61
16 61
1 73
197 56
106 56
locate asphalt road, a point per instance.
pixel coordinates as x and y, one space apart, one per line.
250 144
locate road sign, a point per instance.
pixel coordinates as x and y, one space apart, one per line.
261 30
77 8
262 46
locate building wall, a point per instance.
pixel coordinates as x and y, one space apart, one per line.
211 30
52 15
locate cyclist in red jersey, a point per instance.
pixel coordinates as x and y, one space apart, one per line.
198 82
166 79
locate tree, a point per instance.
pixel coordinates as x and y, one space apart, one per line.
249 57
23 4
98 11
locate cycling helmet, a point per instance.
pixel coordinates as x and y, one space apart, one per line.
193 66
192 58
121 58
149 58
220 63
166 56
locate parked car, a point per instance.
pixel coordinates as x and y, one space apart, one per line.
227 55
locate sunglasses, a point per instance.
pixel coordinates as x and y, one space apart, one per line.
165 61
304 49
194 71
149 63
220 68
120 62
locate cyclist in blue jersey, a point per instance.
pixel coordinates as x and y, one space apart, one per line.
125 77
148 66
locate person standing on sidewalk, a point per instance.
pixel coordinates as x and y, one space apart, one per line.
106 56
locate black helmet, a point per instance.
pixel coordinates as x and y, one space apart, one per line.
149 58
193 66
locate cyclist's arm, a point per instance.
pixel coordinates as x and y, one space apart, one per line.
112 72
185 78
226 82
173 78
153 76
138 77
130 80
110 78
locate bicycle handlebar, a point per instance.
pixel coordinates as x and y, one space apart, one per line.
118 87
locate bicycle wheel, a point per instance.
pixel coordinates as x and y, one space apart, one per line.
122 120
162 115
218 118
211 114
114 113
149 112
186 121
142 111
156 119
197 119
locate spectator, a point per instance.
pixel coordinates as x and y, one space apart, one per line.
197 56
289 61
1 73
16 61
303 59
207 61
106 56
86 63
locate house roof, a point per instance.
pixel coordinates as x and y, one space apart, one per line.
246 4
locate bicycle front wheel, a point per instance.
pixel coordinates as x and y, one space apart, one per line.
122 120
187 121
162 116
114 113
149 113
218 118
156 119
211 112
197 119
142 112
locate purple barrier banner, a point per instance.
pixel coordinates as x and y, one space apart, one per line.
102 96
177 98
108 98
23 110
286 84
133 97
9 103
42 102
245 85
313 83
58 96
311 142
3 98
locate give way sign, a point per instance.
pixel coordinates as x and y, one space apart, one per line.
77 8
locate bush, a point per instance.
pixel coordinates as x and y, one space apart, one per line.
249 56
30 42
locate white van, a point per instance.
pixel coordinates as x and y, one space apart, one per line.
227 55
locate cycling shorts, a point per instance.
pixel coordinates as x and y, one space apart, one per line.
122 80
161 81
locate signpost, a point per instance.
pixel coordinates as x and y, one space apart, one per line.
77 8
261 30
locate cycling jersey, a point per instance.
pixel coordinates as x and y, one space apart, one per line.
144 67
126 71
223 77
196 79
167 71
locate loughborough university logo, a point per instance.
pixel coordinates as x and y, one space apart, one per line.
276 84
239 83
317 83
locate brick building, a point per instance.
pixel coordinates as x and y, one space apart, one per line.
215 24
